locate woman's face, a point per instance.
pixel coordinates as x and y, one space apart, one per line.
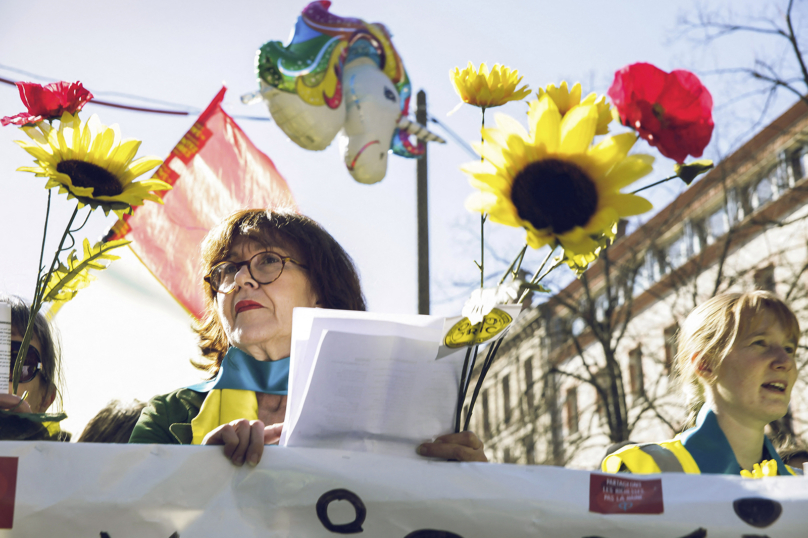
40 395
753 383
257 318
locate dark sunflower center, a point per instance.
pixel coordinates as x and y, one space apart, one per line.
554 194
82 174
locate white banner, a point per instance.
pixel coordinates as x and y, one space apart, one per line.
145 491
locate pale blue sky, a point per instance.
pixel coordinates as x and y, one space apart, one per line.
182 52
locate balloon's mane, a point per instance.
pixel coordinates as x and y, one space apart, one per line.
322 43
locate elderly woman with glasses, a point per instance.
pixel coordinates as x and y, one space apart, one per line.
40 377
259 265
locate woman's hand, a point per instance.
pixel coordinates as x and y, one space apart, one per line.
464 446
9 402
244 439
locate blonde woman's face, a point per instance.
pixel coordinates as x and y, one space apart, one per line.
754 382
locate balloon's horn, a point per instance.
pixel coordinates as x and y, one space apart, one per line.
251 98
420 132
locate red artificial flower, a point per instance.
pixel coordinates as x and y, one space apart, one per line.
48 102
672 111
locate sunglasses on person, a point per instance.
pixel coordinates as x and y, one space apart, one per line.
264 268
31 365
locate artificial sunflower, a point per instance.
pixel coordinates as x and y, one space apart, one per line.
488 89
554 183
90 162
566 99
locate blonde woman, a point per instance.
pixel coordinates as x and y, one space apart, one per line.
736 362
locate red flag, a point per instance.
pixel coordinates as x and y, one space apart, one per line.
214 170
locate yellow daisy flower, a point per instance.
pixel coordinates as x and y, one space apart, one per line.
553 182
566 99
90 162
488 89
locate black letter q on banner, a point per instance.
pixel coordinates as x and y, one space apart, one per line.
341 495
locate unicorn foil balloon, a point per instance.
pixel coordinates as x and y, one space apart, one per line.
341 76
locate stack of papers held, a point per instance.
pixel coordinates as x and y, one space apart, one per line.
370 382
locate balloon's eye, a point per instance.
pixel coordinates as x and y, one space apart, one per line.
389 94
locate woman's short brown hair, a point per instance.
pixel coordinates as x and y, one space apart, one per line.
331 271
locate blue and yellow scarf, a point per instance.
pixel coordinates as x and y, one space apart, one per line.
231 395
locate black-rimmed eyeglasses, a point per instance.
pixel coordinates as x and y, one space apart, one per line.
264 268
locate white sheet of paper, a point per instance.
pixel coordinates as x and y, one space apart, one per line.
308 325
5 346
377 393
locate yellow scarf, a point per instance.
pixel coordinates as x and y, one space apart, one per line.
223 406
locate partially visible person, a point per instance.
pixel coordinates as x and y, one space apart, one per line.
736 360
40 386
795 456
113 424
259 265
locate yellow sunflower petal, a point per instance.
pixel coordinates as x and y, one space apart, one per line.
627 172
578 129
627 205
480 202
545 121
609 152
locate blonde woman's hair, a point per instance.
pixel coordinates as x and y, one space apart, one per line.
712 329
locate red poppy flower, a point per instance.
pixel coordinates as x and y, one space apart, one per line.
672 111
48 102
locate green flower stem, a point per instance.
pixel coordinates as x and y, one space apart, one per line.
483 216
517 262
660 182
460 392
36 304
535 279
489 359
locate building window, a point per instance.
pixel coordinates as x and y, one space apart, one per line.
717 225
571 410
506 400
799 161
655 267
764 278
763 192
670 346
635 372
486 416
677 252
557 331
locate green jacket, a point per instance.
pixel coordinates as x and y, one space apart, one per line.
166 420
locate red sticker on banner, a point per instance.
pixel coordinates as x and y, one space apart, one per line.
8 491
613 494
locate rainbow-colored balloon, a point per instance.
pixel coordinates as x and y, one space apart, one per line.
341 75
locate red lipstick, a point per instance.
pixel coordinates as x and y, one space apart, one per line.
243 306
